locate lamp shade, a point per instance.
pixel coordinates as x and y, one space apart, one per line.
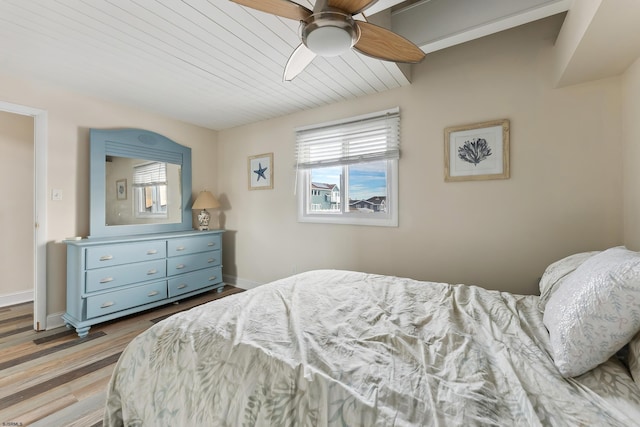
206 200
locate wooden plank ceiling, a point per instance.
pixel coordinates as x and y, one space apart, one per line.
208 62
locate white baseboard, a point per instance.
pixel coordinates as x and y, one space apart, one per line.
240 283
54 321
17 298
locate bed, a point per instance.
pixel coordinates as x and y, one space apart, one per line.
344 348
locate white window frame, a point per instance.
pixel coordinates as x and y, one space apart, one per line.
154 181
389 219
156 208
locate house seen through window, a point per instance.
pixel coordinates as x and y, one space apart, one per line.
348 170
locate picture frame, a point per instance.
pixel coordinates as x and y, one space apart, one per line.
121 189
260 169
476 152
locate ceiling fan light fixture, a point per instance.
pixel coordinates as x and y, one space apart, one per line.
329 41
329 33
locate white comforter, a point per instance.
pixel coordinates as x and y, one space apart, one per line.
352 349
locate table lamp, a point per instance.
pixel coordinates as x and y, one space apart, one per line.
204 201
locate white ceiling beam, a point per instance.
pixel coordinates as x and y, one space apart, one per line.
381 5
437 24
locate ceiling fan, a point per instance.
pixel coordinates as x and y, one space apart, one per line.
331 30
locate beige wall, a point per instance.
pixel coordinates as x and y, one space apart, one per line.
16 205
70 118
631 140
564 195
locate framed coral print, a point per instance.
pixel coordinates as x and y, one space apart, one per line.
261 172
477 151
121 189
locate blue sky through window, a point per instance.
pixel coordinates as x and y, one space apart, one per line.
366 180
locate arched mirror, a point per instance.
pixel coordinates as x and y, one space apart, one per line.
140 183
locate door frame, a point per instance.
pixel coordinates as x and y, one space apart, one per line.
40 138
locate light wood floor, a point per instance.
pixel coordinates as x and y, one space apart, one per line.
54 378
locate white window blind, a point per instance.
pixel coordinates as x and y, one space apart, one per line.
359 139
150 174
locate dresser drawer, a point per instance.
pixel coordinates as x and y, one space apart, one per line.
100 279
187 263
125 253
191 245
193 281
111 302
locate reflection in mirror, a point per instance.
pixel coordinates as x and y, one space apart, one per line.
155 199
139 191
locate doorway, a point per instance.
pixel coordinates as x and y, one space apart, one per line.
39 247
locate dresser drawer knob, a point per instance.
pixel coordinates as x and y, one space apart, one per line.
213 278
179 266
182 286
106 280
210 260
107 304
153 293
106 257
180 248
152 252
151 272
211 244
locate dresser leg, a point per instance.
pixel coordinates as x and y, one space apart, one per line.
219 290
83 332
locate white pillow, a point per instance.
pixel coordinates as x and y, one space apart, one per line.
633 358
595 312
556 273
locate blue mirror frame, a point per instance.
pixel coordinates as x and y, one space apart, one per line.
134 143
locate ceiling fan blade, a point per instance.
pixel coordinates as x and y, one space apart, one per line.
283 8
298 61
352 6
383 44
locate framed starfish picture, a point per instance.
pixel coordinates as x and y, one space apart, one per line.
261 172
121 189
477 151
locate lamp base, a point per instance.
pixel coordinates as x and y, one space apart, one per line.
203 220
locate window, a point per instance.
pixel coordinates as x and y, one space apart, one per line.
348 170
150 190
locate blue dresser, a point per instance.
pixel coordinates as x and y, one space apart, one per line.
112 277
